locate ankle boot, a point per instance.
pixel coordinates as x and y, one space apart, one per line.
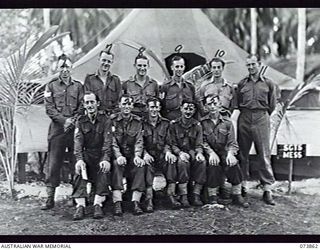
79 214
149 207
117 208
49 204
267 198
197 200
238 200
173 202
136 208
184 201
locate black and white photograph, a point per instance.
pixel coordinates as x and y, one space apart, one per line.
160 121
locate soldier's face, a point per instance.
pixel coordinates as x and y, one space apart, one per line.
126 105
253 65
217 69
90 103
188 110
154 108
64 68
213 104
105 61
178 67
141 66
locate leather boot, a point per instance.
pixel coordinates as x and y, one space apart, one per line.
117 208
238 200
213 199
197 200
173 202
267 198
149 207
79 214
136 208
184 201
50 200
98 213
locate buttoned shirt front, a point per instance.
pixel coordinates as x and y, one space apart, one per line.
156 138
173 94
63 100
94 138
224 90
259 95
127 135
109 92
219 137
140 93
186 137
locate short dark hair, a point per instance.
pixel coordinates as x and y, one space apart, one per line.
218 59
64 57
153 99
126 96
190 101
87 92
140 56
204 101
254 55
176 58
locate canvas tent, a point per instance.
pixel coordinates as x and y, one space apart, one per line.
161 30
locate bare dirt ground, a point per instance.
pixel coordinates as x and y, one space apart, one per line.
297 213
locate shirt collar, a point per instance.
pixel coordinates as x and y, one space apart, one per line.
120 117
71 81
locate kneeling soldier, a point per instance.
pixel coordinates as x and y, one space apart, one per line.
186 137
157 152
220 147
128 148
92 149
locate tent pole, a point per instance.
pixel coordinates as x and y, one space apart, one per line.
290 175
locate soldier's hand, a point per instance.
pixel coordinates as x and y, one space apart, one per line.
121 160
184 156
67 123
200 157
148 159
79 164
138 162
171 158
105 166
231 160
214 159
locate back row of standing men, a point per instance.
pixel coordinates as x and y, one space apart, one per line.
198 144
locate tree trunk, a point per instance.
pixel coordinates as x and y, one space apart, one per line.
301 44
254 39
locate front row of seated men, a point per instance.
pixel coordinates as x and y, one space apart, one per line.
124 145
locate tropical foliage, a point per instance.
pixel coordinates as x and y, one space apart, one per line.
17 92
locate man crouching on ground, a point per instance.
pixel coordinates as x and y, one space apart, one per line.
157 149
220 146
92 149
127 147
186 137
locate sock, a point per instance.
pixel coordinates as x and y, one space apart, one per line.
116 196
267 187
236 189
212 191
149 193
197 189
80 202
182 188
98 199
136 196
244 184
171 189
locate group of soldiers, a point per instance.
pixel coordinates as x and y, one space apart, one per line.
138 127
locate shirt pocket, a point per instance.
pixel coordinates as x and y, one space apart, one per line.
246 95
73 100
262 93
222 136
172 101
131 136
59 99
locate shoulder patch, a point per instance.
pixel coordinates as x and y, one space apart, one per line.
113 116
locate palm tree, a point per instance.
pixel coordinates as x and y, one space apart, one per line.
18 92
